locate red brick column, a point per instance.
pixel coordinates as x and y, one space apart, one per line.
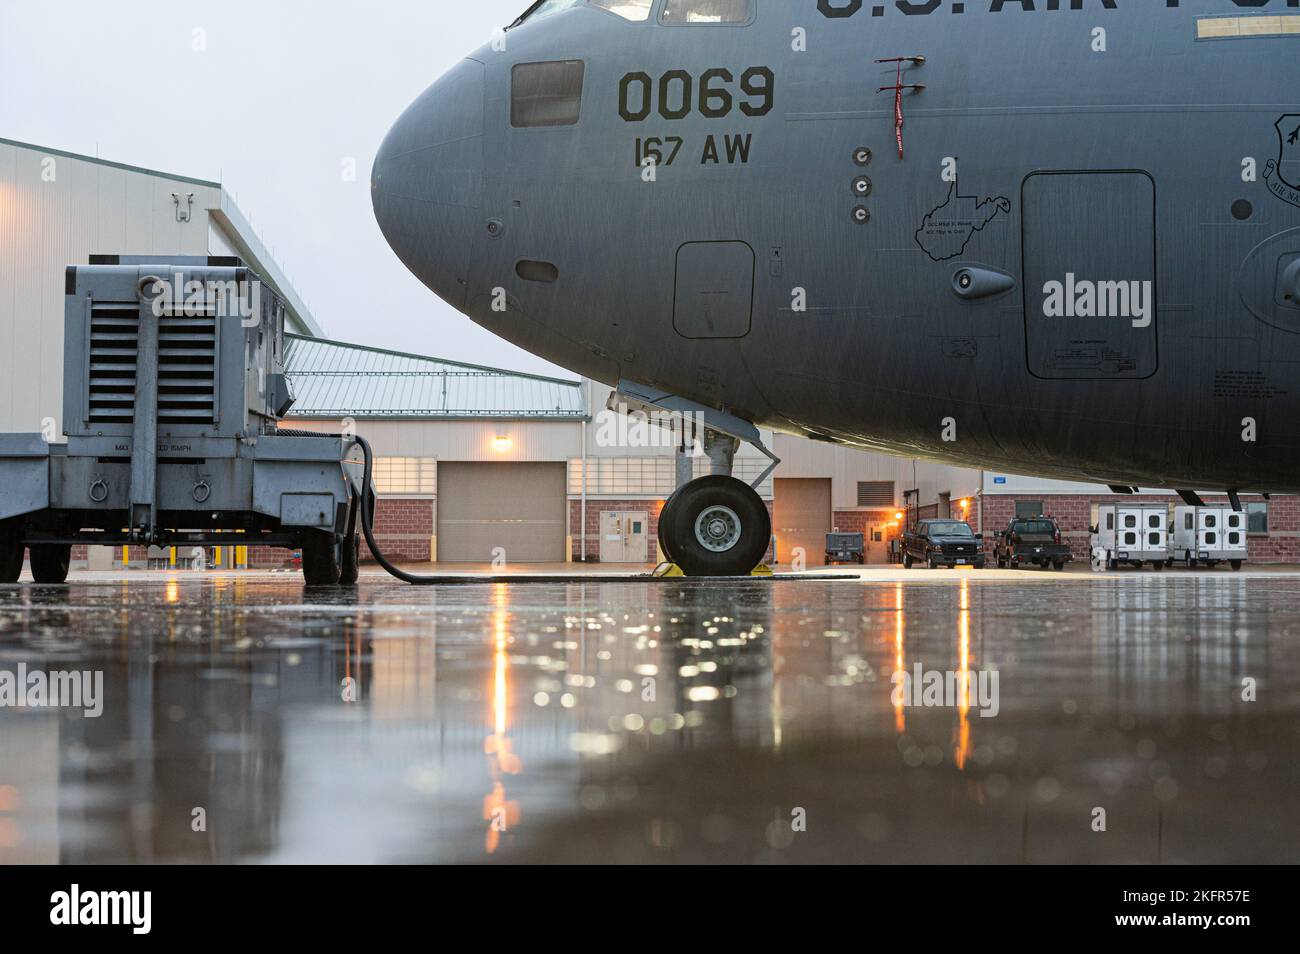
403 527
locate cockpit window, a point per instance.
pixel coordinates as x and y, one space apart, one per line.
546 94
635 10
707 11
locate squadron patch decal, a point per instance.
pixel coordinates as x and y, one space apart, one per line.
1284 185
947 230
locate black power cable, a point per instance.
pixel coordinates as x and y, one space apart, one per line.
368 522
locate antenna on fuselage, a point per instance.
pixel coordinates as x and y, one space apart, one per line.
898 88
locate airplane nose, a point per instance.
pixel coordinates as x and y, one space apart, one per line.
427 183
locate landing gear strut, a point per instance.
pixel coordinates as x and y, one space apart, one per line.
715 525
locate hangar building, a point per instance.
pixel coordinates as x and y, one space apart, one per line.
57 209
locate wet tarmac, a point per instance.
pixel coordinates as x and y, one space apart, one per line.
250 720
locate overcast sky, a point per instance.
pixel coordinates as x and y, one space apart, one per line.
283 94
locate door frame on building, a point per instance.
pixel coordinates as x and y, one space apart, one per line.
628 541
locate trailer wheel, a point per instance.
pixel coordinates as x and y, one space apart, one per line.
322 559
350 565
11 552
1236 565
50 562
1058 565
350 570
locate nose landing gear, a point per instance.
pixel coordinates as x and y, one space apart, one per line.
715 526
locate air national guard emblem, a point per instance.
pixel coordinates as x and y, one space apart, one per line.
1283 185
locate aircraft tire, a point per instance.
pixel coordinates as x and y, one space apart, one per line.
717 526
50 562
661 528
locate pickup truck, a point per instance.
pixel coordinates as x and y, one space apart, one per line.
1035 540
949 543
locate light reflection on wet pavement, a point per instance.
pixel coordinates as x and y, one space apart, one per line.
656 722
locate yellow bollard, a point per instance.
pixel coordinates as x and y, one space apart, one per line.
172 558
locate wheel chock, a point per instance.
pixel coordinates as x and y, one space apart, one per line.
761 570
666 570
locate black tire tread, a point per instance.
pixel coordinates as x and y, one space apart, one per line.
11 552
50 562
320 559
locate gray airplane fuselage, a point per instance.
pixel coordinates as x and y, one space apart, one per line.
1084 265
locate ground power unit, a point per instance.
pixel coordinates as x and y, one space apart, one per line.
1208 536
1133 534
174 389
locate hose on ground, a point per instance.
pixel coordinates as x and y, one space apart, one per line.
368 521
367 506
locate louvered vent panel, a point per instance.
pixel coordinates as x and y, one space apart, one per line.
187 367
875 493
113 341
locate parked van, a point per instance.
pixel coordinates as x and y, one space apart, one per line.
1208 536
1133 534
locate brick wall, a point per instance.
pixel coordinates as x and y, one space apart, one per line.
1074 515
860 521
594 509
403 528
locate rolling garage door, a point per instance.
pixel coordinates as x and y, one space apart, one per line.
802 518
517 507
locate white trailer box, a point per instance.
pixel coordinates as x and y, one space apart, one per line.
1132 533
1209 536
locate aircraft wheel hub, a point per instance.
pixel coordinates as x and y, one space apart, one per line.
718 529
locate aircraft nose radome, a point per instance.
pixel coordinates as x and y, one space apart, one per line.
428 178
